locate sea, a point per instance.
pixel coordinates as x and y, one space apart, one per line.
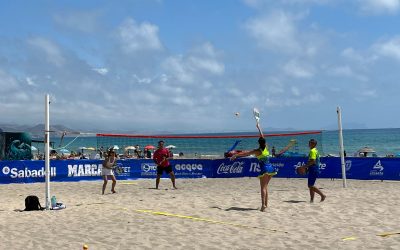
383 141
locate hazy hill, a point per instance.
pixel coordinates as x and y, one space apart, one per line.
34 130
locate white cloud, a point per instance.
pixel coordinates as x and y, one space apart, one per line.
298 70
176 67
347 71
201 62
369 93
380 6
30 81
350 53
235 92
7 82
135 37
277 31
390 48
84 21
52 51
145 80
253 3
101 71
260 3
210 65
295 91
293 101
183 100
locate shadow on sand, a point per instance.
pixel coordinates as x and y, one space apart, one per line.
236 208
293 201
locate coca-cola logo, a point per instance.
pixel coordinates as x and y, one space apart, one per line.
234 168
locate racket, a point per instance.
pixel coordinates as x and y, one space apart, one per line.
256 114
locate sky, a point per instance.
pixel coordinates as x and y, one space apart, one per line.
200 66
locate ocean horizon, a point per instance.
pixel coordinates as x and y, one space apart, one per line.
383 141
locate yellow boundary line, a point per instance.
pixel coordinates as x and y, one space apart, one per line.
204 220
384 235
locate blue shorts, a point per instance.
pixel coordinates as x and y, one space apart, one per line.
312 175
267 169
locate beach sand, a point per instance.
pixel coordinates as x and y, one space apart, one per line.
350 218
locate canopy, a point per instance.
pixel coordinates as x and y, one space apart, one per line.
64 151
366 150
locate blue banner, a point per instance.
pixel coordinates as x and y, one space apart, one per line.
78 170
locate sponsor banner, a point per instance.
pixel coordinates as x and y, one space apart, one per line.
181 168
25 171
193 168
226 168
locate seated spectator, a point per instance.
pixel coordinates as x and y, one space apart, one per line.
138 152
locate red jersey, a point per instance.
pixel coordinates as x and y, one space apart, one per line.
160 155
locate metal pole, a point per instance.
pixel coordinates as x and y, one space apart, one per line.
339 113
47 150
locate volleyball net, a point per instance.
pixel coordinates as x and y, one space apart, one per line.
207 145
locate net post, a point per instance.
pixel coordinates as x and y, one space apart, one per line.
46 149
343 163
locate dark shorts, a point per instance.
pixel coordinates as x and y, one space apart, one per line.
312 176
167 170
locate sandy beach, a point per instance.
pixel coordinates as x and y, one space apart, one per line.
204 214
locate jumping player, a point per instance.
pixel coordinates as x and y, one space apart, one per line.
267 170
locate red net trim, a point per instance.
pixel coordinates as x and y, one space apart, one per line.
207 136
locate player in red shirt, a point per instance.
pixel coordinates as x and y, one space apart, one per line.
161 157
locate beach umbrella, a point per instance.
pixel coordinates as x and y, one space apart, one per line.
115 147
82 148
91 148
64 151
130 148
149 147
33 148
366 150
170 146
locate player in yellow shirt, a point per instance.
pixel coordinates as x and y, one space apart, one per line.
312 167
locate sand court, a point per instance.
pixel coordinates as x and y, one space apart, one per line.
204 214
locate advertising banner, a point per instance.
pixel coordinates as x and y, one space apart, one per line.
25 171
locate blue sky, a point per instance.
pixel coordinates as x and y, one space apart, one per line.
189 66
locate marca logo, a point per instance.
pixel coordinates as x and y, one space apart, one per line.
189 167
234 168
377 169
348 165
26 173
147 167
84 170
